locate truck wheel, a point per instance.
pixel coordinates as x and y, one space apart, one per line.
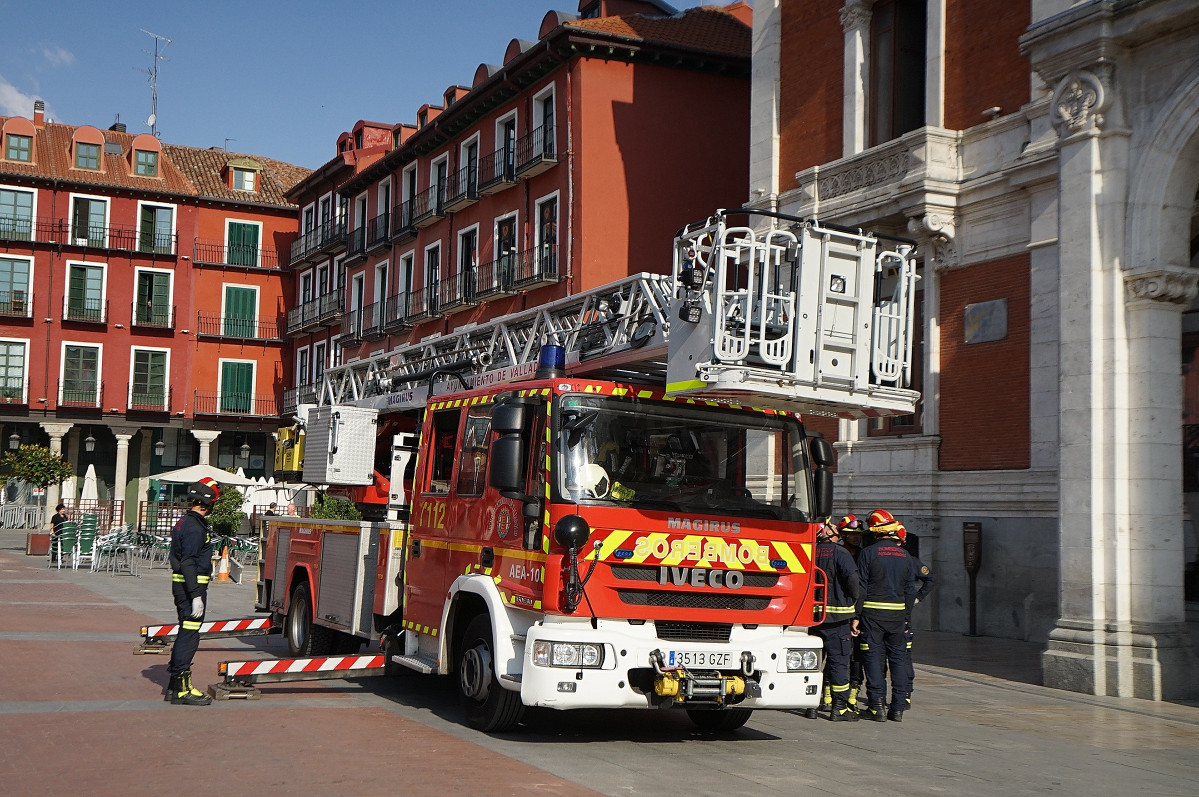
729 719
304 638
487 705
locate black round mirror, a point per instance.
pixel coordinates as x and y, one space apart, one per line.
572 532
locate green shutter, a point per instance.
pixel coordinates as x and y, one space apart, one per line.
149 380
241 312
237 387
243 244
153 299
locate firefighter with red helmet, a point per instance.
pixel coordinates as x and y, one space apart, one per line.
888 585
843 592
925 582
191 569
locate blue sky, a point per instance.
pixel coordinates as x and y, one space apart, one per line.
278 79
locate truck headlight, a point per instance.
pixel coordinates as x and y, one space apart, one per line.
568 654
800 660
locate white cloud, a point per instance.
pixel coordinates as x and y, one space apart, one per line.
57 56
14 102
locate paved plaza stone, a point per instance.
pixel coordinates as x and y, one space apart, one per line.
81 713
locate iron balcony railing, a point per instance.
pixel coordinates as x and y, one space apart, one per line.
372 320
351 327
422 304
86 311
378 231
12 389
15 303
212 325
213 402
356 245
496 278
123 239
536 266
150 400
395 313
401 221
18 228
428 206
156 316
463 187
323 311
76 393
327 237
497 171
219 254
458 291
535 151
293 397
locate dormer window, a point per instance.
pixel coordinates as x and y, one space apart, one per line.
422 118
18 148
87 156
243 179
145 164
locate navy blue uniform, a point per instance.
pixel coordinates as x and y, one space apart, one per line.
843 593
888 583
191 569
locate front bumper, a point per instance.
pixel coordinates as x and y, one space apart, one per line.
627 677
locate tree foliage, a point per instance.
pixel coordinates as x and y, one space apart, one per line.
37 465
226 516
330 508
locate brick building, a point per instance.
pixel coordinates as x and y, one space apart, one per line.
141 301
1045 156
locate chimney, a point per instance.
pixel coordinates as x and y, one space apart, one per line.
39 113
117 127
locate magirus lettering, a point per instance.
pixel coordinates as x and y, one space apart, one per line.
703 524
701 577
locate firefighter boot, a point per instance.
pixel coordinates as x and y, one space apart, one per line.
184 694
852 700
898 702
827 702
173 687
841 712
878 710
809 713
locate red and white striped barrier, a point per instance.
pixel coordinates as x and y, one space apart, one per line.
155 637
240 675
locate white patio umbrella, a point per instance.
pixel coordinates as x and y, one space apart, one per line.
66 491
91 486
193 473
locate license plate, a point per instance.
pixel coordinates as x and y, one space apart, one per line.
698 658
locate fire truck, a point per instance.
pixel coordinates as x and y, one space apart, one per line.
610 500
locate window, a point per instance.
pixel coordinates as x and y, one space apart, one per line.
505 252
153 299
241 312
16 215
18 148
445 438
89 221
547 236
145 163
468 246
14 286
243 244
508 144
326 211
306 287
12 370
318 363
157 229
87 156
237 387
545 112
472 465
432 276
244 179
470 157
85 293
148 385
897 59
302 366
80 375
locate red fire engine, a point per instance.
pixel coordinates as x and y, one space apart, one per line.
581 512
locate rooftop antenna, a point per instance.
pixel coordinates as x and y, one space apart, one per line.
152 119
227 143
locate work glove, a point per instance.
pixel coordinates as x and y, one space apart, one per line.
197 608
916 601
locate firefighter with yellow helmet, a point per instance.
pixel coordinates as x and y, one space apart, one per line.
888 585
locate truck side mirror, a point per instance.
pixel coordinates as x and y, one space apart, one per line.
506 465
508 418
823 482
822 453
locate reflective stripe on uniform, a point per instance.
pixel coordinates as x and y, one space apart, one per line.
896 607
840 609
177 577
203 579
191 625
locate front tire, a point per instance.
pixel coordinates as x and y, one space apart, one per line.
303 637
729 719
488 706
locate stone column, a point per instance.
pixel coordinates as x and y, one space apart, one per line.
56 432
855 21
120 484
206 438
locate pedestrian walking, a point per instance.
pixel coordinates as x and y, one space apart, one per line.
842 594
191 569
888 585
926 581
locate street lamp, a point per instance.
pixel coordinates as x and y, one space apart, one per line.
160 448
245 451
89 443
14 441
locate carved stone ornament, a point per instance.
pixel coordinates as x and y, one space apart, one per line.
855 15
1172 286
936 232
1078 102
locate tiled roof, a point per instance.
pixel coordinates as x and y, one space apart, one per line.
709 28
182 170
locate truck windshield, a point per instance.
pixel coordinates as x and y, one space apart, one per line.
681 458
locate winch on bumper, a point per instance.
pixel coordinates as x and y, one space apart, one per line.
568 664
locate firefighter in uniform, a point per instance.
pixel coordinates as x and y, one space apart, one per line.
851 529
925 582
843 592
888 581
191 569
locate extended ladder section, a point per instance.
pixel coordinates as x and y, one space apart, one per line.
800 317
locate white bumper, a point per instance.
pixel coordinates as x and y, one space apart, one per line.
625 678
